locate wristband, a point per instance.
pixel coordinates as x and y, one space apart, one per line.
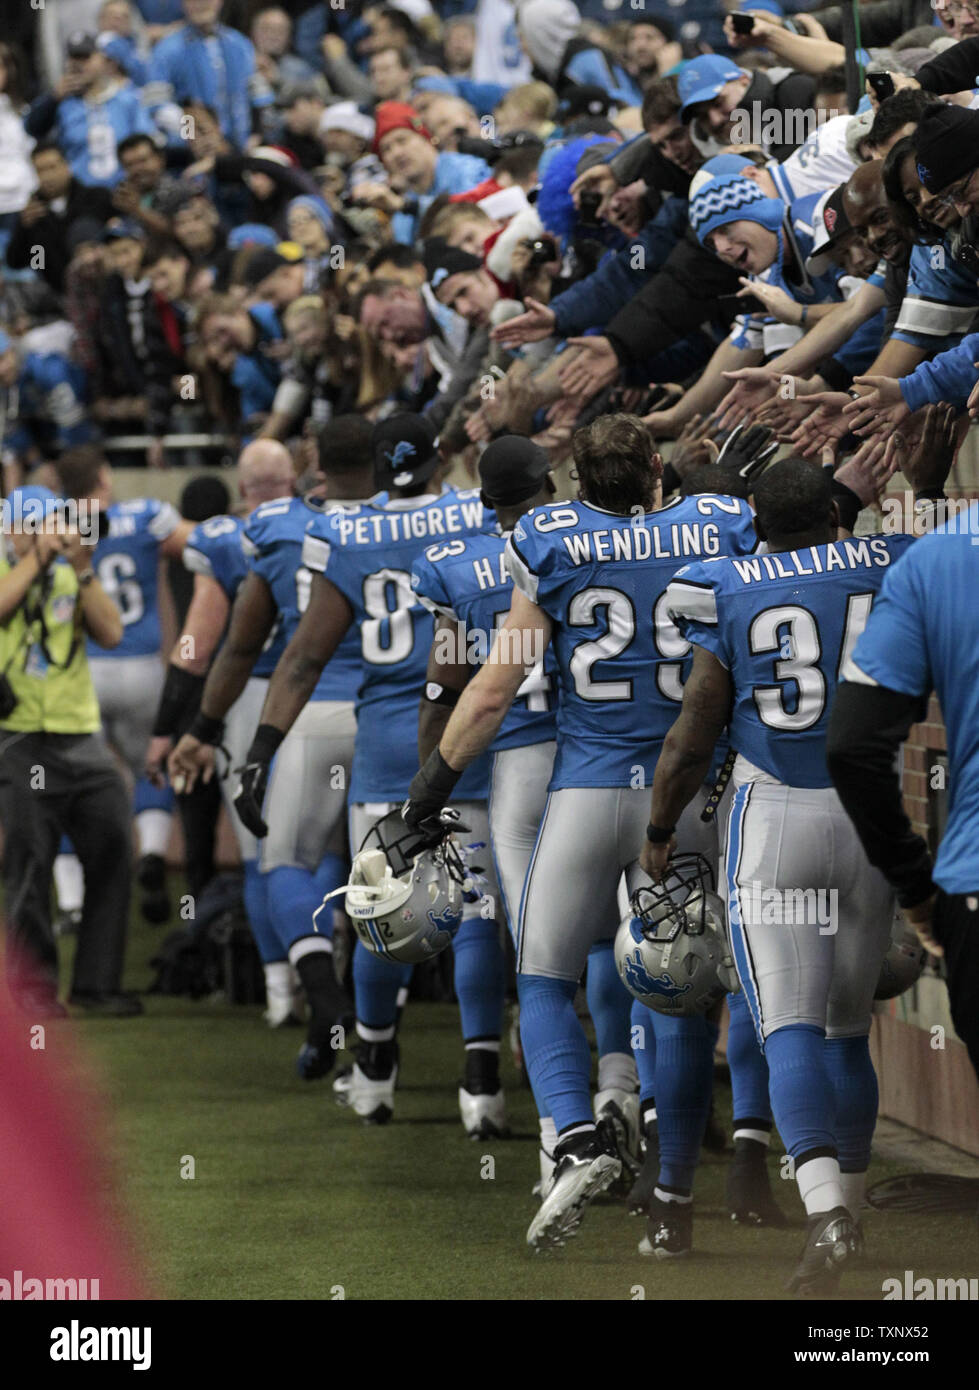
438 695
264 744
180 691
658 834
439 777
205 729
804 315
848 504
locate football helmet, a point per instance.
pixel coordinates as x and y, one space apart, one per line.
672 951
902 965
405 894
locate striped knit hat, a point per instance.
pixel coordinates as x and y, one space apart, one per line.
731 198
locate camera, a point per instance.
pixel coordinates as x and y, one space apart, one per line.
742 23
494 150
588 204
542 250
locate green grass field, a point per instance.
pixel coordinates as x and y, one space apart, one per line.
295 1199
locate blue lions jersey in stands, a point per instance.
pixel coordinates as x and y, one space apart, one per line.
784 624
215 548
273 545
467 581
368 554
914 643
602 578
127 564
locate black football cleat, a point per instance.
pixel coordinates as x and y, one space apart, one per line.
750 1201
669 1229
833 1241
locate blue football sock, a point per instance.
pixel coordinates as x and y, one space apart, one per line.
147 797
854 1083
293 897
259 917
65 846
609 1002
376 985
800 1088
684 1082
555 1049
644 1049
479 978
749 1070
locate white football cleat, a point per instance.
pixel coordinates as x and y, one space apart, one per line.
543 1184
283 996
373 1101
483 1117
580 1174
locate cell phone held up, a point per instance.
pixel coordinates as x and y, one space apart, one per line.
743 23
882 84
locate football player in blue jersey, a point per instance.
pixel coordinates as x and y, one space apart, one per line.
590 578
135 536
361 562
919 638
465 584
215 555
303 854
810 918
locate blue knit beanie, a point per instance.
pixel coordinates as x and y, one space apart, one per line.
731 198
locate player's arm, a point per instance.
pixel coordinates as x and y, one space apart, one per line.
687 753
445 680
172 545
320 631
477 717
252 619
189 659
708 391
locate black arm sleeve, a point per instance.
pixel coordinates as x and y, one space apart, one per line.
867 726
952 71
674 303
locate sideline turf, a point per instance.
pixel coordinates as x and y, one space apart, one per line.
294 1198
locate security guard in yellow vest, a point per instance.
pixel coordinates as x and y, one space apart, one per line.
56 773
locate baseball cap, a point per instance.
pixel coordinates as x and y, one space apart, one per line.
405 450
831 225
511 470
586 100
262 263
121 227
443 261
79 44
702 78
347 115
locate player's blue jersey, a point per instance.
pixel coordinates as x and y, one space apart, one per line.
215 548
467 581
368 553
602 579
916 642
127 564
784 624
273 545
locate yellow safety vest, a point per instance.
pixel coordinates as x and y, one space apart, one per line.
45 663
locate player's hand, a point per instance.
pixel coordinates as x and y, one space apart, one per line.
693 449
431 787
188 761
536 322
250 795
929 463
748 449
922 918
867 472
157 753
588 371
654 858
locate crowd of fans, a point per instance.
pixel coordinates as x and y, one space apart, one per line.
222 222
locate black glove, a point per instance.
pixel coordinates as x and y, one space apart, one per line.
430 789
747 449
250 795
254 775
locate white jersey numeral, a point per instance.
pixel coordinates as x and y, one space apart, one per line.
799 651
670 644
621 620
389 599
117 577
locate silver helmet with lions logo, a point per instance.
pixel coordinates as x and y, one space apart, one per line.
405 893
671 950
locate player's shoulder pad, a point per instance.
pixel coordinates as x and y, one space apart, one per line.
263 524
428 581
691 595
